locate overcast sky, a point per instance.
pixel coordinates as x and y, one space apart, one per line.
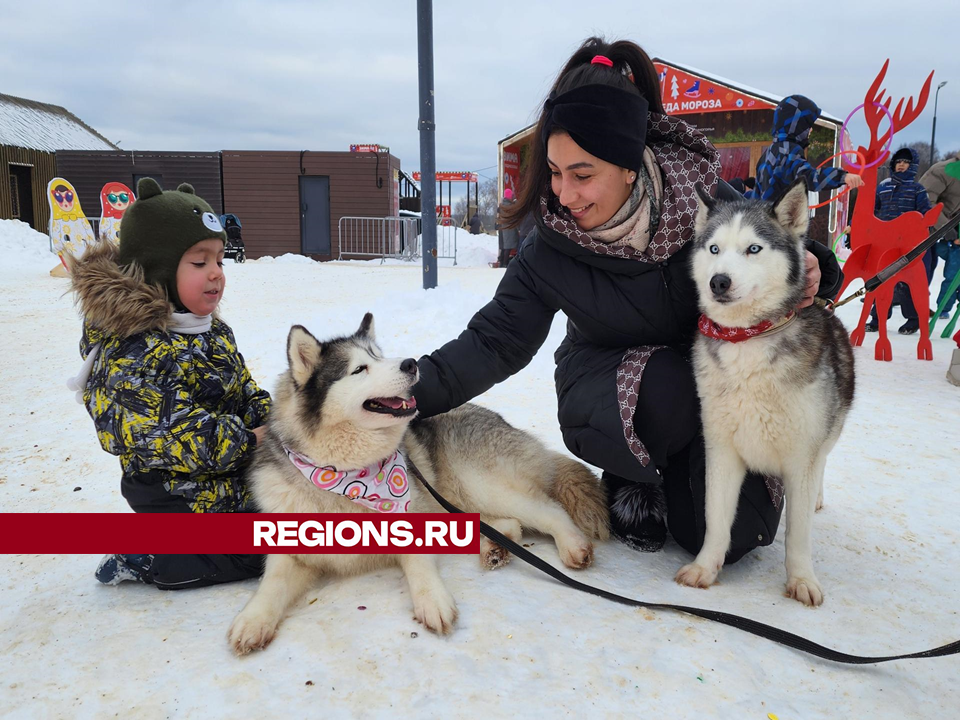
321 75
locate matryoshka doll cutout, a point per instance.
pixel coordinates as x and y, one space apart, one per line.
115 198
69 229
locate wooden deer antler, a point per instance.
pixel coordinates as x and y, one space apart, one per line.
901 117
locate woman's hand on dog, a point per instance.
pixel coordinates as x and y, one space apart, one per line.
813 281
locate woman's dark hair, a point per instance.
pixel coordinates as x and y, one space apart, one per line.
632 71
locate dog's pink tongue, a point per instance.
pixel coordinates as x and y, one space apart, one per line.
396 403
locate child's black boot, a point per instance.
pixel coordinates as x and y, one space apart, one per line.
114 569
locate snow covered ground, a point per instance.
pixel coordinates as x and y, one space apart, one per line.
886 548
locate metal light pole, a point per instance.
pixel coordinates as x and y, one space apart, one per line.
428 152
933 133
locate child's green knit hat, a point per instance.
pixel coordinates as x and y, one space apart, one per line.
161 226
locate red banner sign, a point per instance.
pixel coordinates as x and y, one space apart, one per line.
451 176
684 93
374 148
240 533
443 211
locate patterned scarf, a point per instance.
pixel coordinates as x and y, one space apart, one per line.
685 157
382 486
638 218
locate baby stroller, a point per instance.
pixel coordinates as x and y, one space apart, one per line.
234 246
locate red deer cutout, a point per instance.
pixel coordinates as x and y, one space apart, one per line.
876 243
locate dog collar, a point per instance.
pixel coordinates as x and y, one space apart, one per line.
716 331
382 486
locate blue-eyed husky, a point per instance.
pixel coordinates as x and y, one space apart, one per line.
775 384
342 409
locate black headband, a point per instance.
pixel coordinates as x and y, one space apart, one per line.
607 122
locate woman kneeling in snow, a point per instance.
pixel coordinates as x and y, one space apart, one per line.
612 184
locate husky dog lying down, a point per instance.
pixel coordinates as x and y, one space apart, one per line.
344 408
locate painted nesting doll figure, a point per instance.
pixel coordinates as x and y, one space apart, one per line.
115 198
69 229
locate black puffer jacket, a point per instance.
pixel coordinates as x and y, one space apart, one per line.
612 304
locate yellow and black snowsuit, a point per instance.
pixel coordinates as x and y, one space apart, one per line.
178 409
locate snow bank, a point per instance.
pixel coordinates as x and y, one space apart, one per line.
24 249
885 546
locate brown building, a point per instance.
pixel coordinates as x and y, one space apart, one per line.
88 172
287 201
292 202
738 121
30 135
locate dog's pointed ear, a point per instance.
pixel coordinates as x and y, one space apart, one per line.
791 211
705 204
366 327
303 353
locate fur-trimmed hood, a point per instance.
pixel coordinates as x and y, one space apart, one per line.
117 300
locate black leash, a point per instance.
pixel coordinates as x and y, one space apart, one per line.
751 626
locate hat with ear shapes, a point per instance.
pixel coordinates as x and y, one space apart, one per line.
161 226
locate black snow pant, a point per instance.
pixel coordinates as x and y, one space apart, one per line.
667 421
182 572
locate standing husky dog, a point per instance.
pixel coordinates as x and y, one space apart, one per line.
344 408
775 384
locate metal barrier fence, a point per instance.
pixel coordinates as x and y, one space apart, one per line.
447 242
390 237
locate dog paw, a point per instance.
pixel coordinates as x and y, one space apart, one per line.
249 633
493 556
806 590
819 505
576 552
694 575
437 611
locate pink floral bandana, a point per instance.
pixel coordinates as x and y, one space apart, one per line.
383 486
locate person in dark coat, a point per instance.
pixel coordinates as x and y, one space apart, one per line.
785 158
612 185
509 237
900 193
476 224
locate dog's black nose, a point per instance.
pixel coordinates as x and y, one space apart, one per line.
720 284
409 366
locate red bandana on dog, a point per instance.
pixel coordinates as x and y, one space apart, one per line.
735 335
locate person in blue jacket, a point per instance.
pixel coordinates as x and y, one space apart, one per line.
785 158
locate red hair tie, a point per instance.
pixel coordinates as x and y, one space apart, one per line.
601 60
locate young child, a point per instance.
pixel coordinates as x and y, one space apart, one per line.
167 389
896 195
785 158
